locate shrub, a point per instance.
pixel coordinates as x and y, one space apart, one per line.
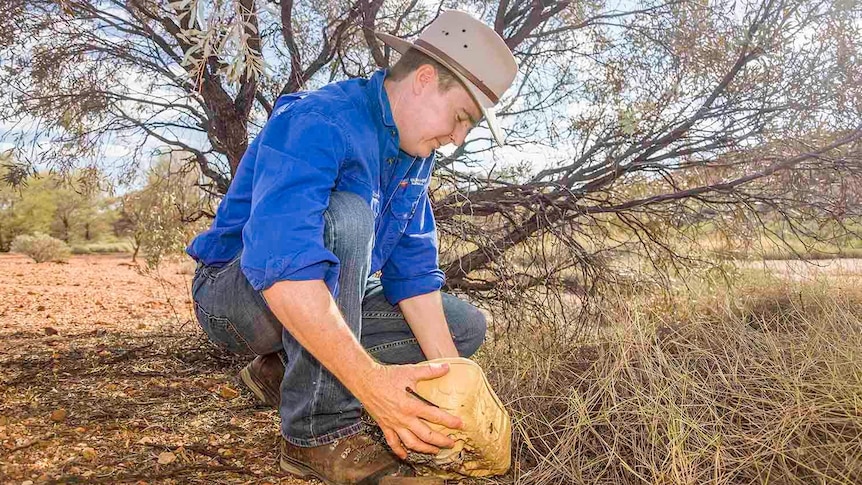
41 247
102 248
80 249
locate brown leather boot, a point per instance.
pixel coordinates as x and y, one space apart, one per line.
355 460
263 376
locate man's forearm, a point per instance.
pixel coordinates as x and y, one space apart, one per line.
308 312
424 314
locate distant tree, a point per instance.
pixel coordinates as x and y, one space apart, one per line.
82 211
162 217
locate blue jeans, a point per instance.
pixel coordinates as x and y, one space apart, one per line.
316 408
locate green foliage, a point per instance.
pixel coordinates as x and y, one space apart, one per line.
41 247
24 210
72 209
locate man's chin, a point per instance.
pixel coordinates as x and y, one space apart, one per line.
423 152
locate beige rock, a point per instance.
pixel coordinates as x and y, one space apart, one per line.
484 447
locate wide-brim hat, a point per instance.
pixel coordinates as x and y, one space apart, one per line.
475 54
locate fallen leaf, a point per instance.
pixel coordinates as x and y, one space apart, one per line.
89 454
59 415
227 392
166 457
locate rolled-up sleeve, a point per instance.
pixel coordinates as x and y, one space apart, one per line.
297 163
413 268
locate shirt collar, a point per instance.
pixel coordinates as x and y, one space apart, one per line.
379 98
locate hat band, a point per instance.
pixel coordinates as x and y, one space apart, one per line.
453 64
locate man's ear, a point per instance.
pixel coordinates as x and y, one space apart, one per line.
425 77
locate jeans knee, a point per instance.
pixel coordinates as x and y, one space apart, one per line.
349 222
475 327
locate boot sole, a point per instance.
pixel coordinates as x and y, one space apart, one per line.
300 470
249 381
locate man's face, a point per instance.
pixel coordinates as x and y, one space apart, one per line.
435 118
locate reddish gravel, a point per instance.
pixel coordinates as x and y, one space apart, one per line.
105 378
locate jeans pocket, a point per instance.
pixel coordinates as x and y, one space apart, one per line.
406 351
222 332
214 272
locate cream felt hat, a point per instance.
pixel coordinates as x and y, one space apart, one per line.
474 52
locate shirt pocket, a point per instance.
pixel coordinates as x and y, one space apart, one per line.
405 200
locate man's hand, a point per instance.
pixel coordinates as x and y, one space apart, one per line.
381 389
387 400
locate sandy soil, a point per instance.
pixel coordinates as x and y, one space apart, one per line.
849 270
105 378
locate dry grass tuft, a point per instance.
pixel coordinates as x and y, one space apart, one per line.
759 385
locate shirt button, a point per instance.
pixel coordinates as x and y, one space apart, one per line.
392 132
390 160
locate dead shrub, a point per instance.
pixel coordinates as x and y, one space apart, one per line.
693 393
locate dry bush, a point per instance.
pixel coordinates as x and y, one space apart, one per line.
762 384
41 247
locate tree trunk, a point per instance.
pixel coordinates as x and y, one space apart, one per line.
137 247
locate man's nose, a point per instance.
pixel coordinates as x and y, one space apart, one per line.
458 135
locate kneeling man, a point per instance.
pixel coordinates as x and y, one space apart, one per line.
332 193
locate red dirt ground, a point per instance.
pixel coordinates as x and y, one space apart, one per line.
103 371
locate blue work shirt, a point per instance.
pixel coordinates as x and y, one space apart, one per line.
339 137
